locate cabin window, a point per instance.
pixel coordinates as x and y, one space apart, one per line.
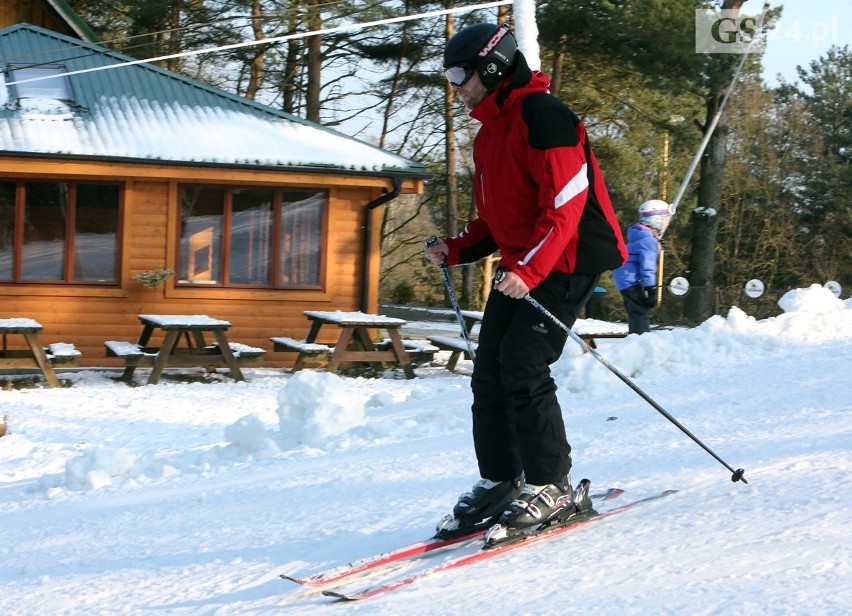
251 237
59 232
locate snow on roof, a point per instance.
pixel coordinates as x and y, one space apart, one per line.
129 127
144 112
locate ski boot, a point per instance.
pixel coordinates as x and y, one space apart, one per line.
479 508
542 507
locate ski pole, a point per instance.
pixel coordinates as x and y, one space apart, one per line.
448 282
737 474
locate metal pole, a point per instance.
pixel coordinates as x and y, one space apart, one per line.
448 282
737 474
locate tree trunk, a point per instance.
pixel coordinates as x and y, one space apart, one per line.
700 303
257 64
312 102
174 38
556 71
291 65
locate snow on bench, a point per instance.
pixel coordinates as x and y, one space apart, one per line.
418 351
62 353
285 344
306 350
245 351
451 343
131 350
456 344
119 348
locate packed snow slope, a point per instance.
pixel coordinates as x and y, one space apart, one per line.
192 498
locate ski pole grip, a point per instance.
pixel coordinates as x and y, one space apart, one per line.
499 275
432 240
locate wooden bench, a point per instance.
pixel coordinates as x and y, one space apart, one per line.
135 355
308 351
590 338
128 351
62 355
456 344
245 354
314 351
419 352
589 329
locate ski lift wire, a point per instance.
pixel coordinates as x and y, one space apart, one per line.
277 39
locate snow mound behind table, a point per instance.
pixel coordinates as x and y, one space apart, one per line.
811 315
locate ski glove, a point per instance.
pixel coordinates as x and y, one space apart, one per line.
650 296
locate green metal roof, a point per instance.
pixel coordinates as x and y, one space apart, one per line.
144 112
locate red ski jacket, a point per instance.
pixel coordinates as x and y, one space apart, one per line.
540 196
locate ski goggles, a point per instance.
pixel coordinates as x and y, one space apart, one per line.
459 74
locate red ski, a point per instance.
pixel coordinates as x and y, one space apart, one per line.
335 574
485 553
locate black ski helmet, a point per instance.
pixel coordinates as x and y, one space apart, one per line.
488 49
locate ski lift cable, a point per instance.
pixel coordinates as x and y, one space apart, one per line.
277 39
714 121
248 19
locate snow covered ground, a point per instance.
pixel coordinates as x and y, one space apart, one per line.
192 498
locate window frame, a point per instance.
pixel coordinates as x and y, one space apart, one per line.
69 241
182 285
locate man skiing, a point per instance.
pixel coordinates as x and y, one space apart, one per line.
637 278
542 202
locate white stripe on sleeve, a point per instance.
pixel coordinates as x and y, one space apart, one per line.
532 252
574 187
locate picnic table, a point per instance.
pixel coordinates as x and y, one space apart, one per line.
457 344
354 344
587 329
196 352
34 355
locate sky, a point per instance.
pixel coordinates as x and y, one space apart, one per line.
805 32
193 496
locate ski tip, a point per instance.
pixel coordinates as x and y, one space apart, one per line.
291 578
334 594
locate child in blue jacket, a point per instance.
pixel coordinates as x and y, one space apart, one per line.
637 278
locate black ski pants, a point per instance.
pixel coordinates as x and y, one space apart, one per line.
517 421
638 313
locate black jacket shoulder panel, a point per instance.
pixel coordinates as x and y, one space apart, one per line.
551 124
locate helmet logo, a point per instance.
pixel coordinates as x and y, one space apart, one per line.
498 36
491 68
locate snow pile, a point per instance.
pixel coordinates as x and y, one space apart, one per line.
815 300
314 406
812 314
99 467
249 435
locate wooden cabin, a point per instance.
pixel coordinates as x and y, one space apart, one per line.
109 170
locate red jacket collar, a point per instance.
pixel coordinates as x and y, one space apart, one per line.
507 95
